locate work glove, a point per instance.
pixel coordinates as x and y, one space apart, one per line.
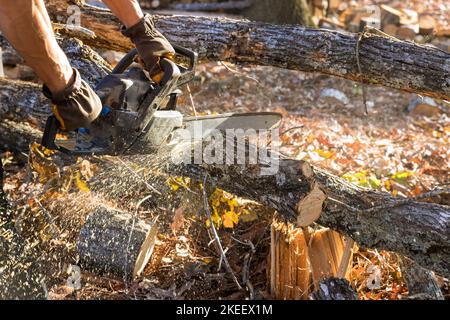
151 45
77 106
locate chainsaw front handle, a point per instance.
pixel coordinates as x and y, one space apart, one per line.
187 74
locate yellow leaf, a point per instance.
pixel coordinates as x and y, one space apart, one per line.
80 183
324 154
402 175
230 219
172 184
207 260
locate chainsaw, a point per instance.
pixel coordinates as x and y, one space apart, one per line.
139 116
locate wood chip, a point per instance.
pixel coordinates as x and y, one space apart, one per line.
309 208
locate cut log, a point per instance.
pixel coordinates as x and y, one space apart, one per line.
390 15
427 24
409 17
408 32
390 29
415 229
116 244
335 289
369 22
355 22
384 61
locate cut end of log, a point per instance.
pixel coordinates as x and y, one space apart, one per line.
306 169
309 208
145 252
115 243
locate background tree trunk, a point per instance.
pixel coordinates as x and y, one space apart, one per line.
280 12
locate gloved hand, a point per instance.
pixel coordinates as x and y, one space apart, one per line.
150 44
75 107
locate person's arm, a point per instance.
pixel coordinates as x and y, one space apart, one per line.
151 45
127 11
28 28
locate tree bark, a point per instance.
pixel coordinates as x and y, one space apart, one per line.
334 289
383 60
422 283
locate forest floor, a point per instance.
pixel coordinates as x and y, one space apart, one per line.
389 149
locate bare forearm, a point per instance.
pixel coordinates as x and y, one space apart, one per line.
28 28
128 11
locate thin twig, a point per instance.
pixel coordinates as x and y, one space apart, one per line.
138 205
240 73
286 131
247 243
216 236
260 85
191 98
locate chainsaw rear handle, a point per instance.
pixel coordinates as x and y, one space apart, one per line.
51 129
187 74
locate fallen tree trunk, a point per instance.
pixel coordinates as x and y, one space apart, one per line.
418 230
383 60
